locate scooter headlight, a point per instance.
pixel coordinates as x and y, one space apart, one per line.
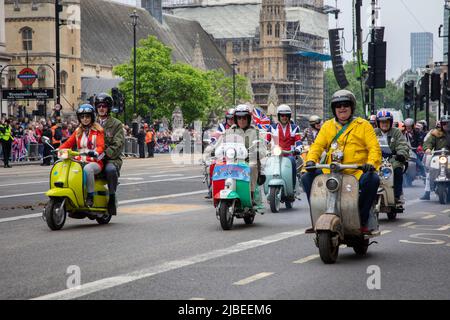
276 151
386 173
332 184
230 153
63 154
442 160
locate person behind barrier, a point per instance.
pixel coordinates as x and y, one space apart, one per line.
352 140
399 147
89 139
6 139
114 142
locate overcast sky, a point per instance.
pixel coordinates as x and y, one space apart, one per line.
400 18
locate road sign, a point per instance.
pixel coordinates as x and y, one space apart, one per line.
30 94
27 76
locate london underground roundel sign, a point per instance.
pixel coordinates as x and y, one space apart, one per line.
27 76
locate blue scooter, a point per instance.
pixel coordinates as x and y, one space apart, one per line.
279 186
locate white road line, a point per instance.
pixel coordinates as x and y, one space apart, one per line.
21 183
429 216
385 232
308 258
407 224
195 298
445 211
444 228
253 278
27 216
95 286
122 184
37 215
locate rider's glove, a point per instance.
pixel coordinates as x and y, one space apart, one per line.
368 167
92 154
310 164
400 158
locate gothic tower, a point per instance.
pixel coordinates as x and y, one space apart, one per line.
272 28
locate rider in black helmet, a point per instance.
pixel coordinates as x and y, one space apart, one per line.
114 141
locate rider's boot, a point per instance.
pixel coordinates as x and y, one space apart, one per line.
112 206
426 196
90 200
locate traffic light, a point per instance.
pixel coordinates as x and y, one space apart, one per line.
435 86
409 94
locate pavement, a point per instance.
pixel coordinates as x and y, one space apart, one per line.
166 243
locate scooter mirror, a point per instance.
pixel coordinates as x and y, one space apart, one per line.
45 139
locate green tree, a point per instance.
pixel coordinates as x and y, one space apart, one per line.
162 85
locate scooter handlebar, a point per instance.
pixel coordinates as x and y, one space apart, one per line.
335 166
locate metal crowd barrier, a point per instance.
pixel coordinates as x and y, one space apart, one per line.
33 152
130 148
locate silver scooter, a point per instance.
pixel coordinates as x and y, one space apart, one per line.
386 199
440 174
335 212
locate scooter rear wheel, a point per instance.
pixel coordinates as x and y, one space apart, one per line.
392 215
328 252
53 216
249 219
105 219
361 248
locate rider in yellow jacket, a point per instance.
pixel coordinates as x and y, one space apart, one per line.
348 140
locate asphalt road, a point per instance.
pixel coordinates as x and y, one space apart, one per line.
166 243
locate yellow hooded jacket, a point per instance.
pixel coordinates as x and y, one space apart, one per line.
359 144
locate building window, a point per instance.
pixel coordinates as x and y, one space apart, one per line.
63 82
12 74
269 29
73 68
41 77
27 39
277 30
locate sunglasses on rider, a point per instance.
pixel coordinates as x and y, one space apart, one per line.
85 116
102 106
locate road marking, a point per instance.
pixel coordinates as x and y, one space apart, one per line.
253 278
122 184
195 298
444 228
21 183
407 224
385 232
102 284
27 216
36 215
308 258
429 216
445 211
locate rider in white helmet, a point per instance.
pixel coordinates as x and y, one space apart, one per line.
310 133
286 134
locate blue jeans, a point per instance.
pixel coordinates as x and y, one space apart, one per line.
368 187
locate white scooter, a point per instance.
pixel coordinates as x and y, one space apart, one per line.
440 174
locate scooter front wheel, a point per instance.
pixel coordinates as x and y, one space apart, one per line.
226 217
55 214
442 194
328 252
274 199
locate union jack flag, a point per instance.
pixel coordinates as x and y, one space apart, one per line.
260 119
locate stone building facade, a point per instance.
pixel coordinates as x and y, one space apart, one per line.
96 35
274 43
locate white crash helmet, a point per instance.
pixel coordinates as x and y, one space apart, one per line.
409 122
284 109
314 119
242 110
230 113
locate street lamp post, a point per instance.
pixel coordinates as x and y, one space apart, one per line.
134 18
234 64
